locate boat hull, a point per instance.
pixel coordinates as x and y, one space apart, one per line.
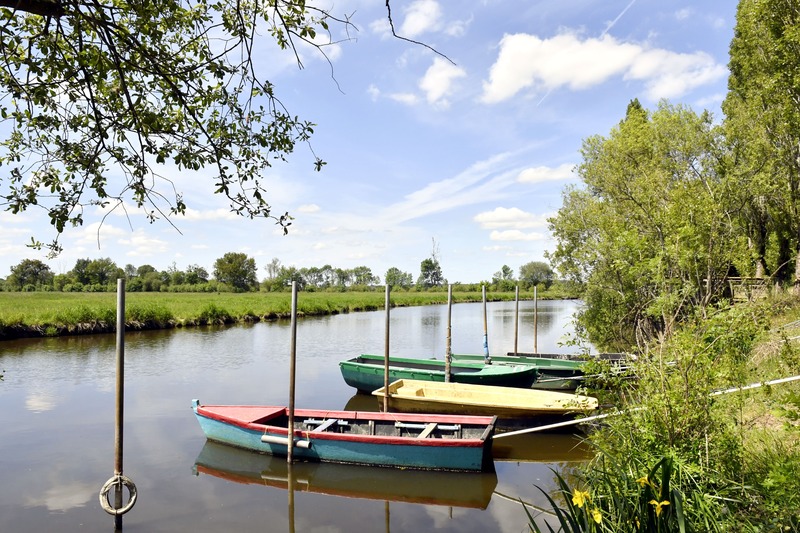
411 396
366 372
396 442
553 374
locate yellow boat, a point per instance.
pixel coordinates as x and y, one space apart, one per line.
414 396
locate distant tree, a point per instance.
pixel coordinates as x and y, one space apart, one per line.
196 274
397 278
236 270
30 273
143 270
287 275
343 277
362 275
130 271
505 273
536 273
273 268
430 274
103 271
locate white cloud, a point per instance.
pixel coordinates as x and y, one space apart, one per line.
543 174
683 14
526 62
308 208
438 80
422 16
404 98
513 217
516 235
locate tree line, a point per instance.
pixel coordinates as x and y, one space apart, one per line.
237 272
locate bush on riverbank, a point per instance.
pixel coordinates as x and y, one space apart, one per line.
734 457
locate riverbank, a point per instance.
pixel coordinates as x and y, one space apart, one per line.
53 314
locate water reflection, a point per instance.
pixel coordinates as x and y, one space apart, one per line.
454 489
57 416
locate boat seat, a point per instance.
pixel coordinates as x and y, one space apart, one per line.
420 392
427 431
324 425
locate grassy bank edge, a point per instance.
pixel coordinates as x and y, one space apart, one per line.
53 314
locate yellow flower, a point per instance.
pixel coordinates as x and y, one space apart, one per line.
659 505
642 481
580 497
596 516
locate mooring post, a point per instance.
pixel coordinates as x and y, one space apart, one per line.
535 321
486 358
516 318
386 353
119 480
120 411
293 352
448 352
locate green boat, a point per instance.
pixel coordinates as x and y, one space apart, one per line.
553 374
366 372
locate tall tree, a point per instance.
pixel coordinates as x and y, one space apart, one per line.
762 123
652 231
236 270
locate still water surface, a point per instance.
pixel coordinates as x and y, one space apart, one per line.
57 405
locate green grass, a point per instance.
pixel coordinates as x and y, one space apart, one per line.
57 313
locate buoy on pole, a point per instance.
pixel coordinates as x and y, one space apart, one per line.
118 480
293 353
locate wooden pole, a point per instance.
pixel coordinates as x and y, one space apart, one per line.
516 319
120 410
535 321
448 351
486 357
386 353
292 375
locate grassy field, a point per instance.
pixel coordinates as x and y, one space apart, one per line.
31 314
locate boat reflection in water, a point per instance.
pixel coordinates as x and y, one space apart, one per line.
453 489
542 447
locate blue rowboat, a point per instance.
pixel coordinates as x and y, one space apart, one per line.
425 442
366 372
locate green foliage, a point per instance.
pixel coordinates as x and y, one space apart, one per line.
430 274
762 124
236 270
630 497
651 232
397 279
537 273
125 88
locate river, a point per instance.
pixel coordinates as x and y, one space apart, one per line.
57 409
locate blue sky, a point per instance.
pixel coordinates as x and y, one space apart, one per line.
471 156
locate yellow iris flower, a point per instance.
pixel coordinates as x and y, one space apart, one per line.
596 516
580 497
659 505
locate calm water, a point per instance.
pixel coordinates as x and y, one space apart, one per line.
57 429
